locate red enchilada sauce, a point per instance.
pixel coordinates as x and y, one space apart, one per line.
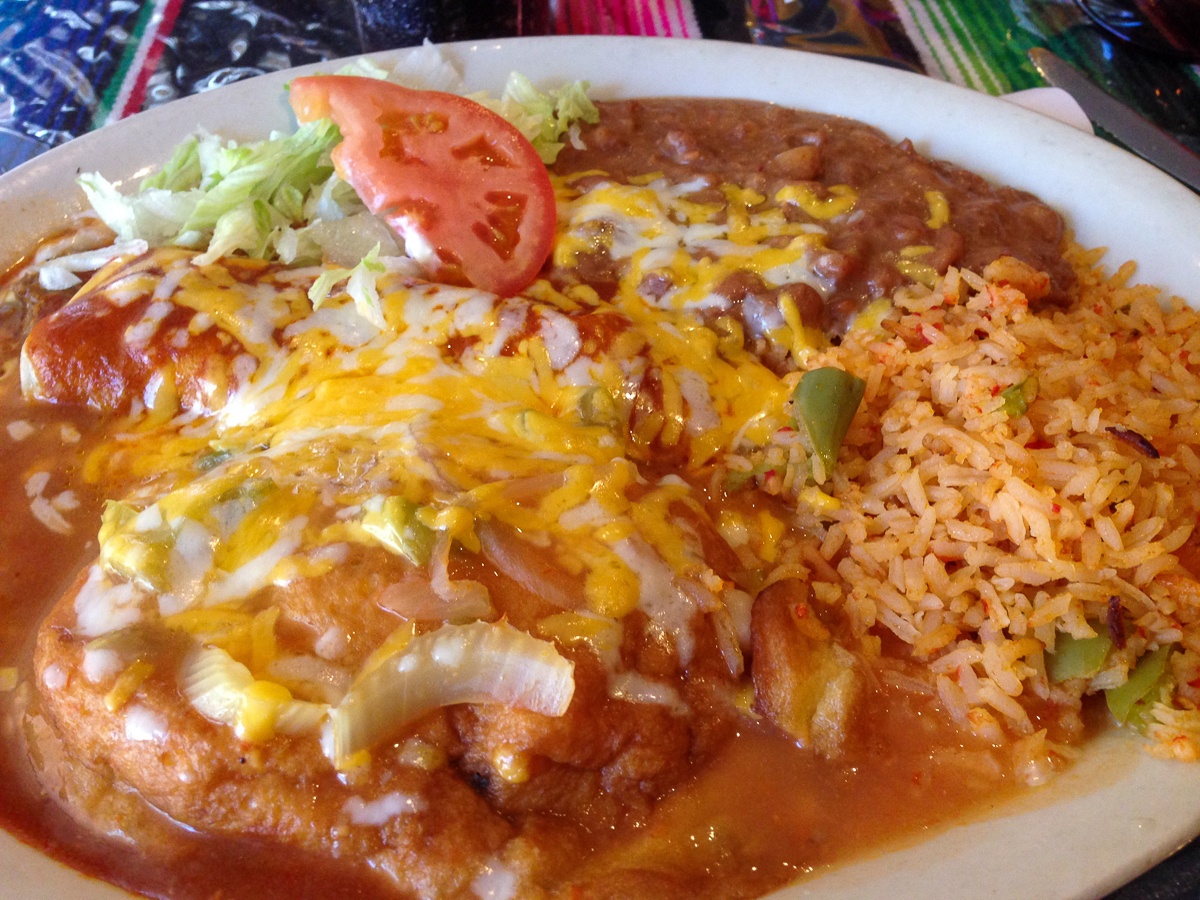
754 812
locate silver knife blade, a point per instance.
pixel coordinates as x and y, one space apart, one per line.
1140 135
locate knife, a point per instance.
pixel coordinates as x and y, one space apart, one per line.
1140 135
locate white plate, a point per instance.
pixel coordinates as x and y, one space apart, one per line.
1118 811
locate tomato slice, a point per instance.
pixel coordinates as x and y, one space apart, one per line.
465 190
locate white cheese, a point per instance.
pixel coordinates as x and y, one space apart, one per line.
101 606
381 811
54 677
19 429
144 724
44 511
495 881
101 664
669 608
255 574
36 483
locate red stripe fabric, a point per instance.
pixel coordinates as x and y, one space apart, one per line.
655 18
151 51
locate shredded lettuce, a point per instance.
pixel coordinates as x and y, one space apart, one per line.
182 170
335 200
59 274
362 67
360 287
154 215
280 198
239 229
262 170
424 68
221 196
543 116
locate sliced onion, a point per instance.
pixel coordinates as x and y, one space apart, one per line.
415 600
484 662
301 717
634 687
738 604
215 684
468 599
530 567
533 488
412 598
728 644
703 598
310 676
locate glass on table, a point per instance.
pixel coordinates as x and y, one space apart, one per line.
384 24
840 27
774 21
1163 26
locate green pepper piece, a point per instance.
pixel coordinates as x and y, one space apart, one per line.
596 407
1018 397
140 557
826 400
210 459
137 556
735 481
117 514
395 525
1077 657
252 491
1146 676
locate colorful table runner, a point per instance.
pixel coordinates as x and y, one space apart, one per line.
982 44
68 66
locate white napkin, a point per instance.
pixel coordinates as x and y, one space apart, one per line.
1055 103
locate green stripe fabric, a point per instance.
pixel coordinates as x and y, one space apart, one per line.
962 39
938 51
123 69
982 44
983 72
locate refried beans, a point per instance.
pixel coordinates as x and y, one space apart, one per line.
766 147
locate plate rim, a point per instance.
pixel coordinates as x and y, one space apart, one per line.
35 196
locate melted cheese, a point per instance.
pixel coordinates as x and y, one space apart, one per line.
381 811
460 396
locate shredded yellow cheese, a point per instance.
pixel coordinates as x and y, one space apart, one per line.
127 684
939 209
840 201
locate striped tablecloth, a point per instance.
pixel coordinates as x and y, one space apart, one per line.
68 66
982 44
